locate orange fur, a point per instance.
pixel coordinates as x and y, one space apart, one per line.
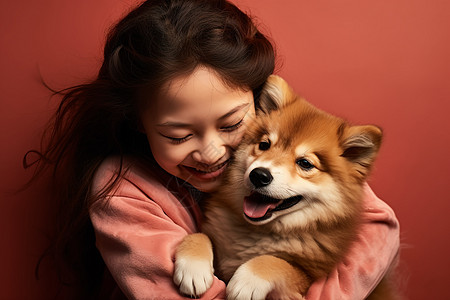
195 246
288 277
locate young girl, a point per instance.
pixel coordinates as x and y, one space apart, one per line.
134 151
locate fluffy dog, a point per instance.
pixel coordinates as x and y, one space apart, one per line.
290 204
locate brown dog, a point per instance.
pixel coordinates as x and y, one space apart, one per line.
290 204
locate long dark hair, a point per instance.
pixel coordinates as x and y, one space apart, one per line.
152 44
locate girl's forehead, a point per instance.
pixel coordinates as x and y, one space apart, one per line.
201 91
202 80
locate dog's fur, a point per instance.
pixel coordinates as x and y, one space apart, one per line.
277 229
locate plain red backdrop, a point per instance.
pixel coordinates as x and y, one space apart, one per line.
385 62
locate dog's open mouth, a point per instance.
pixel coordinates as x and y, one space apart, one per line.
259 207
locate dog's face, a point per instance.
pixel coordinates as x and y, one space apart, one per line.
301 166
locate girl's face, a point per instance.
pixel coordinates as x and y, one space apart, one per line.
194 125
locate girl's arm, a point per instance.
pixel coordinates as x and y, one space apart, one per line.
368 260
137 231
137 241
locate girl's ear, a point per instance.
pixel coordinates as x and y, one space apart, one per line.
275 94
360 146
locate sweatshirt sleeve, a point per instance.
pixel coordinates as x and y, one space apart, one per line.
368 260
137 237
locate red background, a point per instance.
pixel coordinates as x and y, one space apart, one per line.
385 62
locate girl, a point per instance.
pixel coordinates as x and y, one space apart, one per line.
133 152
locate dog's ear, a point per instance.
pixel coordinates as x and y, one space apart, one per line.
360 146
275 94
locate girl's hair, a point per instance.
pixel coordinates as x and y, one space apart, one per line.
152 44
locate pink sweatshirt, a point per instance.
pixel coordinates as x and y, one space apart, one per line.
139 225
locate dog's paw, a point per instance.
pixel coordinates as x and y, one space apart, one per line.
246 285
193 276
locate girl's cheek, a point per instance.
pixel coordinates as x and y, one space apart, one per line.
238 138
163 151
239 134
172 154
234 138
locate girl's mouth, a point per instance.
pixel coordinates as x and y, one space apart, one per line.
210 173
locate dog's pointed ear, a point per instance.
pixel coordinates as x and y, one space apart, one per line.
360 146
275 94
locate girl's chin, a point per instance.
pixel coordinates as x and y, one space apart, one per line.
205 185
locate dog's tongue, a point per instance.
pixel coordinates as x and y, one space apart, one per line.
257 209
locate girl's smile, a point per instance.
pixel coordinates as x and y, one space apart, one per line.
209 174
194 125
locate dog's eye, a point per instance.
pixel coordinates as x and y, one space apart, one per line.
305 164
264 145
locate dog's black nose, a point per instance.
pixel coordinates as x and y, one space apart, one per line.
260 177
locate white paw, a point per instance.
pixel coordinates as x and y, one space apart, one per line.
246 285
193 276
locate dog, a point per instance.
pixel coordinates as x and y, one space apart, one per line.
290 204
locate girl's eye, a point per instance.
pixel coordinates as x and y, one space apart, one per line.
264 145
234 126
305 164
177 140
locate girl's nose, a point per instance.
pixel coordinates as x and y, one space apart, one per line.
210 152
